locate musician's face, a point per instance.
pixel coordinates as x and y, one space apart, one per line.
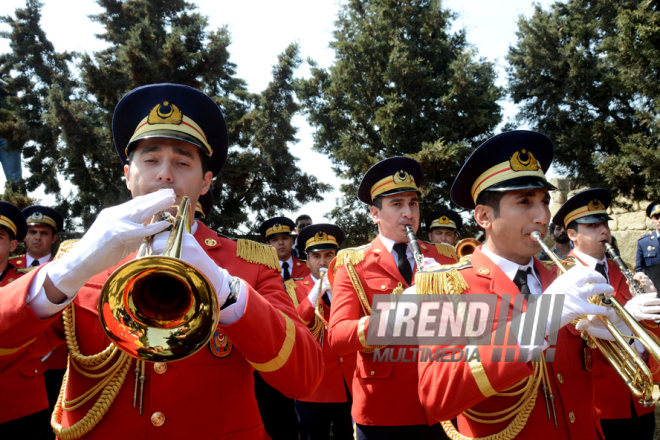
7 245
282 245
317 260
167 163
441 235
509 233
656 221
396 212
589 238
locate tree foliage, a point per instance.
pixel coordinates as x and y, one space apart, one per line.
150 41
585 73
401 84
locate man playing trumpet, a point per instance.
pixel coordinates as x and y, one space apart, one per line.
585 217
172 140
510 390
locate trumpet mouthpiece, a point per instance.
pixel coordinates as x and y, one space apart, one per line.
536 235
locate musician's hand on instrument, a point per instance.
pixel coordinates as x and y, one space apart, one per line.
595 327
577 286
322 285
646 282
116 233
644 307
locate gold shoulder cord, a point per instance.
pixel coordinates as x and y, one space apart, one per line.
111 380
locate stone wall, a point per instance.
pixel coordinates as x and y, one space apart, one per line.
627 224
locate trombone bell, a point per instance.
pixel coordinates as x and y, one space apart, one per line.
158 308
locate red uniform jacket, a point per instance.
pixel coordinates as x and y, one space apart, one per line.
11 275
299 269
202 396
384 393
611 394
448 389
338 369
20 262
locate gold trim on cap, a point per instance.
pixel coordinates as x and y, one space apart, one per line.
656 210
443 222
198 208
320 238
5 221
400 179
277 228
514 167
594 207
39 218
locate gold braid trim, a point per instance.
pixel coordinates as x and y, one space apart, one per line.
352 255
258 253
446 250
65 247
112 381
290 286
448 282
287 347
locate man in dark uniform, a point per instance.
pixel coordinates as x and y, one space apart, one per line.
276 232
172 140
648 247
43 226
443 226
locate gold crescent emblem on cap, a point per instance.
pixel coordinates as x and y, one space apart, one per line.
321 236
402 177
37 216
277 227
444 220
165 113
595 205
519 164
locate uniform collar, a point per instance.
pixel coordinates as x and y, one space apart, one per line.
43 260
590 261
290 261
509 267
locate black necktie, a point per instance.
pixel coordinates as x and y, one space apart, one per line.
600 268
35 263
402 262
521 281
326 299
285 271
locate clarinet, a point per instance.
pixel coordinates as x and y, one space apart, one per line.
414 245
635 286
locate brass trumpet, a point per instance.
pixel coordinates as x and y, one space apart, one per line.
466 246
158 308
623 358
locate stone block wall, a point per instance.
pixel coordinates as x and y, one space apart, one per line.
628 224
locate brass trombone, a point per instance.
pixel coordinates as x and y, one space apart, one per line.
466 246
158 308
623 358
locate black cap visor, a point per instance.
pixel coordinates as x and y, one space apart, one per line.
594 218
322 247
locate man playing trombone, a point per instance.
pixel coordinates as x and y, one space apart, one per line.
510 390
585 217
172 140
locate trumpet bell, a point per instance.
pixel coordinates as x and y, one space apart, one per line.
466 246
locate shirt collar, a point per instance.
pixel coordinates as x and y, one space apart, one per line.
509 267
43 260
389 244
290 261
589 260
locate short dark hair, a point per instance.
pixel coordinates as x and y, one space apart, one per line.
573 225
492 199
302 217
378 202
206 161
552 227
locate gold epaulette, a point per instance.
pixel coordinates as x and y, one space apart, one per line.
352 255
446 250
549 265
290 286
258 253
65 247
445 279
297 279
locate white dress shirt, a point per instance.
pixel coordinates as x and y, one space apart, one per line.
42 260
591 262
511 269
389 244
290 261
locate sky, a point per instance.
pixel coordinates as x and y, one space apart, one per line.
262 29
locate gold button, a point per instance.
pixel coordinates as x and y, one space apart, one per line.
571 417
160 367
19 261
373 372
10 280
560 377
36 371
383 287
210 242
341 359
158 419
377 251
297 264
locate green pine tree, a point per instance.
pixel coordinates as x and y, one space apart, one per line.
401 84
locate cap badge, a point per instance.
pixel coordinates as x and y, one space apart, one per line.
595 205
277 227
518 163
321 236
37 216
443 220
165 113
402 177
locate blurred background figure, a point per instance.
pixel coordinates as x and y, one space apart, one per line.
301 223
562 245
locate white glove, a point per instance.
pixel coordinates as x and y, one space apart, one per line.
430 264
578 285
321 285
116 233
644 307
596 329
193 254
646 282
410 291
